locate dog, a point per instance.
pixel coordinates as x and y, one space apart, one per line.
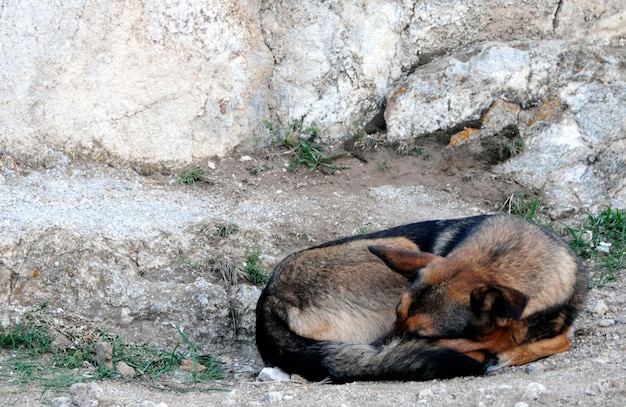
323 308
506 287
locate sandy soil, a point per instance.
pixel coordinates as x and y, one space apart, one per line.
381 189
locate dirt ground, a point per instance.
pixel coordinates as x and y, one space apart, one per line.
442 183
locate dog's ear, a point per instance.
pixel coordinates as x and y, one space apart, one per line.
403 261
499 301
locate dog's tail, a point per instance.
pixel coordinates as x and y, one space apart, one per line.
345 362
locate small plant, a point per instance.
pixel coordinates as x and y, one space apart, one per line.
201 367
515 147
361 230
517 204
227 230
301 143
253 269
186 262
190 177
419 152
34 359
383 165
602 240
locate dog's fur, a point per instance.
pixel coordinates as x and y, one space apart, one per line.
507 287
323 306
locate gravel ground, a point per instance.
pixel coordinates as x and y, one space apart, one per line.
122 204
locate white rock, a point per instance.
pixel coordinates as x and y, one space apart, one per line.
534 391
273 396
273 374
600 308
605 322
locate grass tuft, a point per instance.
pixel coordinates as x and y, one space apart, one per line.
227 230
601 239
34 359
253 269
190 177
301 144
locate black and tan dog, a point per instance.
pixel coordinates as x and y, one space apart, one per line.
323 307
508 287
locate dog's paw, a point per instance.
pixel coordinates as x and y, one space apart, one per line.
499 361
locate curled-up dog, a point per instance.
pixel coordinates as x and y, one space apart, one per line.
509 288
324 306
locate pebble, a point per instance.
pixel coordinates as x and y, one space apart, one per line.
521 404
245 158
604 322
534 391
127 372
600 308
273 396
273 374
148 403
104 354
426 393
85 394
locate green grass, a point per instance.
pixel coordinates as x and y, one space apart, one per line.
227 230
34 359
520 205
301 142
419 152
601 240
253 269
190 177
384 165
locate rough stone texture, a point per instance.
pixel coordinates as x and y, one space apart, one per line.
149 82
566 101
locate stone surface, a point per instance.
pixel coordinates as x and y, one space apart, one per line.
143 82
566 102
127 372
104 355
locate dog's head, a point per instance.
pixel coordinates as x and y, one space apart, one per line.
448 299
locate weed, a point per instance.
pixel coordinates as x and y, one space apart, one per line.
227 230
202 367
186 262
515 147
253 268
602 240
34 359
419 152
301 143
258 170
383 165
361 230
190 177
517 204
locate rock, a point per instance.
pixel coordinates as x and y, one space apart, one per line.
547 114
605 322
61 402
104 355
273 396
273 374
224 66
534 391
86 394
148 403
191 366
600 308
127 372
